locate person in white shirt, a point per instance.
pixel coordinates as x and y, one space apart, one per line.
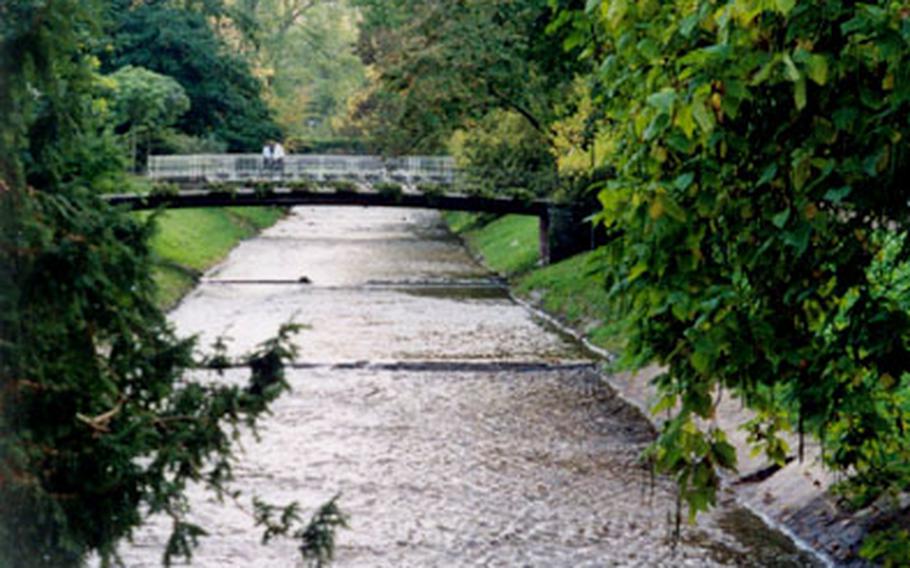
278 158
268 154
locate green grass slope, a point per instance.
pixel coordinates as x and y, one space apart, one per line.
507 245
572 290
189 241
575 291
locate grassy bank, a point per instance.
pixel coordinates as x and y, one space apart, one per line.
572 290
189 241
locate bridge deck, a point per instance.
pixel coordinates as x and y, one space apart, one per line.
289 197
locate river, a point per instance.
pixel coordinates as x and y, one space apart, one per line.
457 428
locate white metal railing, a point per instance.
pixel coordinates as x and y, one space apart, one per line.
251 167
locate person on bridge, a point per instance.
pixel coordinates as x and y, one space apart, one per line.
278 159
268 154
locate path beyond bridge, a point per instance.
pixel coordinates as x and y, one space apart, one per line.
243 180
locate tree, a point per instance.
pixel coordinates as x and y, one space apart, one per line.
760 151
99 422
145 103
502 153
304 52
225 97
441 65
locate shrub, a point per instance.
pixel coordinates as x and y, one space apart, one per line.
342 186
389 189
432 189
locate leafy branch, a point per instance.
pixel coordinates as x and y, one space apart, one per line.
317 537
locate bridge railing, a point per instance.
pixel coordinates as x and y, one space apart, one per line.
251 167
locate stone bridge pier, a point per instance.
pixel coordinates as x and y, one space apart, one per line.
565 231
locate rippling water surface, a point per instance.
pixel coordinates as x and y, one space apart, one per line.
457 429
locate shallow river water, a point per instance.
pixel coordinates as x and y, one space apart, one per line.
457 428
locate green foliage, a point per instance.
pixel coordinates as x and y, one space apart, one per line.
53 127
99 422
301 185
760 150
389 189
145 104
441 65
263 188
305 49
164 188
145 99
330 145
316 537
432 189
229 187
888 547
503 154
171 141
226 98
342 186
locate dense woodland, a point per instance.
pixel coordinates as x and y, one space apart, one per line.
745 161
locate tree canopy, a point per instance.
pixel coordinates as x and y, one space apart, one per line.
760 151
145 103
226 99
440 66
303 49
100 422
